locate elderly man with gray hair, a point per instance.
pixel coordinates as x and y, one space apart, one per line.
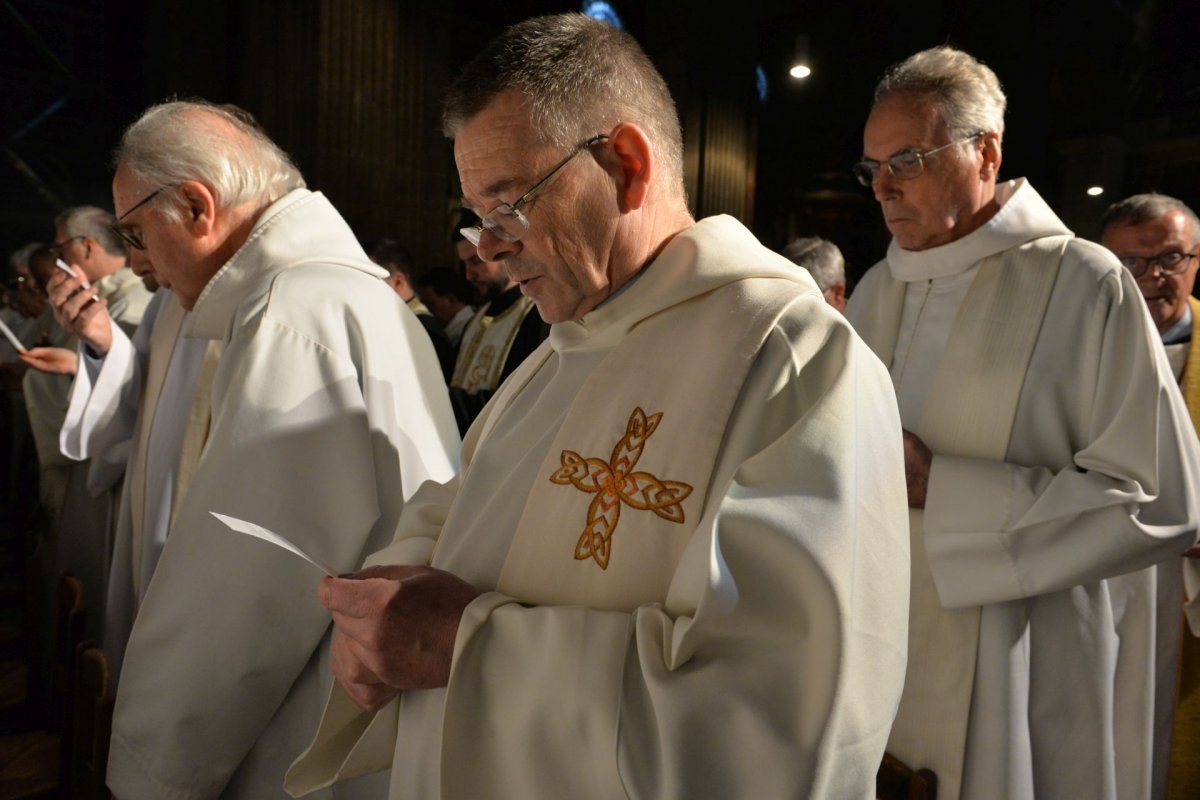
825 262
1046 450
328 410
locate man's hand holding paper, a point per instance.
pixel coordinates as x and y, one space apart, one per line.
80 311
396 627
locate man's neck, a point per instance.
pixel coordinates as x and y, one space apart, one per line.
643 239
1180 330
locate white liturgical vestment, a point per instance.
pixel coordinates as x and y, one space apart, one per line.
150 376
686 511
1101 477
328 410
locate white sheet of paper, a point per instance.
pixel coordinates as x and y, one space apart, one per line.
12 337
258 531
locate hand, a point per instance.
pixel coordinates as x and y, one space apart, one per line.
917 458
396 627
54 360
1193 552
80 311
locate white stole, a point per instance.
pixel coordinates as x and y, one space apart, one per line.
485 346
163 339
969 413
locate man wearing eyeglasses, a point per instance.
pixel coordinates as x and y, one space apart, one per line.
83 238
328 409
1156 238
673 563
1046 455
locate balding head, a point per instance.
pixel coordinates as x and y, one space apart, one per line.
193 140
191 180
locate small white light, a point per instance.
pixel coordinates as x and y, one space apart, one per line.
1095 191
800 71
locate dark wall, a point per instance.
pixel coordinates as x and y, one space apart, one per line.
1099 91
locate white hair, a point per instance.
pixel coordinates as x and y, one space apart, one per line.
20 256
967 93
94 222
194 140
821 258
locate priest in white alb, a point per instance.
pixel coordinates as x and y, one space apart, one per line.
674 563
328 410
1047 454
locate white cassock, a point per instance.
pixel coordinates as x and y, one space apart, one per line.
106 400
328 410
1100 478
732 620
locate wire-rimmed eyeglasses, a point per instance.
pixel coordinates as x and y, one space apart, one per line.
129 237
506 221
905 165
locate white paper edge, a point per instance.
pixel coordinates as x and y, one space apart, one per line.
259 532
12 337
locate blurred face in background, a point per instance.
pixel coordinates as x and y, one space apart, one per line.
488 277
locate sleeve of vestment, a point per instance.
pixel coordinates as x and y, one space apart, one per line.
998 530
304 442
102 406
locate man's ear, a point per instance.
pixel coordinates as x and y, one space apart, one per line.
990 167
635 165
200 216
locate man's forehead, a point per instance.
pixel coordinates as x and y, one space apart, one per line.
901 123
1172 225
498 149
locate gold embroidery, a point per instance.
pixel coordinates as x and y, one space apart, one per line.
614 483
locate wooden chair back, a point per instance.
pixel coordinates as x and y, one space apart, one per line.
68 634
897 781
92 728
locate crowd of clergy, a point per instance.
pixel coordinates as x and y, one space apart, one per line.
621 504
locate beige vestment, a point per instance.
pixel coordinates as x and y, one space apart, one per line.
686 511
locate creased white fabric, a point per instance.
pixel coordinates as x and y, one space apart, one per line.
770 667
1100 479
328 410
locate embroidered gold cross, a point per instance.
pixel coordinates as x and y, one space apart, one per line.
614 483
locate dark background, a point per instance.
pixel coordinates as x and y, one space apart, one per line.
1100 92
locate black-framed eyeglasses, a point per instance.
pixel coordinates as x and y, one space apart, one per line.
1171 262
129 237
506 221
905 165
57 247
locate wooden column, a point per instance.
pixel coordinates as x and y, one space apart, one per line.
352 89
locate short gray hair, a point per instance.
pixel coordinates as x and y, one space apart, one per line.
21 255
820 257
94 222
1142 208
966 91
582 77
195 140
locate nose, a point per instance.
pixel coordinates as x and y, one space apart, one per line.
884 185
139 263
492 248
